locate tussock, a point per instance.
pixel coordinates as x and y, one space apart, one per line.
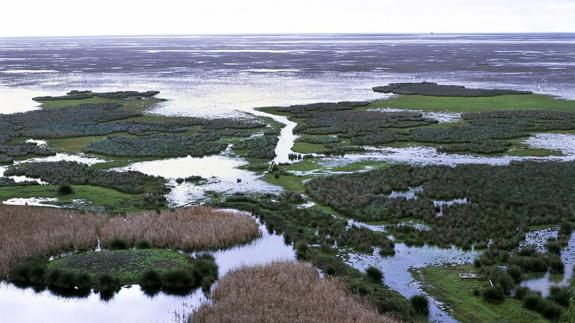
31 231
283 292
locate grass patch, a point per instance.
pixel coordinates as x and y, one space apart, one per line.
361 165
113 201
73 145
55 104
475 104
307 148
289 182
445 284
126 265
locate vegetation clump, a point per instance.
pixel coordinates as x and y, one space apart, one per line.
420 304
374 274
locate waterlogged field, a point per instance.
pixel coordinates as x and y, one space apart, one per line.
381 197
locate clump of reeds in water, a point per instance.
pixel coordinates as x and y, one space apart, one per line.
283 292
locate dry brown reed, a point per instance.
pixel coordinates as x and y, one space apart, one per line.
29 231
283 292
188 228
33 231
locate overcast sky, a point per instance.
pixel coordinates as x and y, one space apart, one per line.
137 17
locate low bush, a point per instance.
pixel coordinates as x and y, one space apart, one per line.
117 244
178 280
515 272
493 295
143 244
65 190
550 310
532 301
420 304
521 292
150 279
560 295
374 274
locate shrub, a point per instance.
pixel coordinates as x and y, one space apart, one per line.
150 279
107 283
83 281
178 280
329 270
556 266
515 272
420 304
65 190
117 244
505 281
143 244
565 228
560 295
550 310
554 247
374 274
301 248
531 301
521 292
493 295
206 267
67 280
31 270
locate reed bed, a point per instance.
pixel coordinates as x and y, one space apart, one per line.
33 231
187 228
283 292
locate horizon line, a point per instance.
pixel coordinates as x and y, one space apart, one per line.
279 34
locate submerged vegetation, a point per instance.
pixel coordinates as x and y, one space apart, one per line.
283 292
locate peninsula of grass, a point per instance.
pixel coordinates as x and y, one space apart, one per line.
445 284
475 104
98 198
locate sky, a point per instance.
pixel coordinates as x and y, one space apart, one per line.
157 17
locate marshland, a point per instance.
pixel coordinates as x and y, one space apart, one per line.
375 201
